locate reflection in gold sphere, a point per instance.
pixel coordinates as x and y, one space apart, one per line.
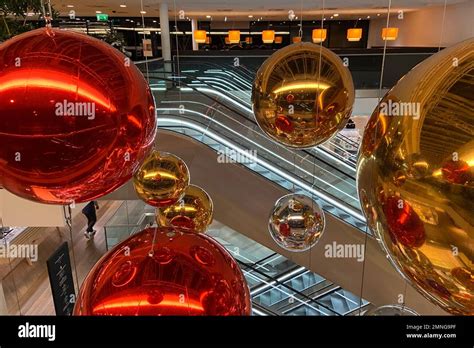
161 179
296 222
194 211
302 95
415 177
391 310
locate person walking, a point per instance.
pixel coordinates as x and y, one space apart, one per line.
90 212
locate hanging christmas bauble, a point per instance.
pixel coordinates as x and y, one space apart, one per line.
162 179
296 222
194 211
422 131
302 95
391 310
165 271
76 117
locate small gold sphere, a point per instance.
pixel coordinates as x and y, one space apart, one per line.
162 179
302 95
194 211
296 222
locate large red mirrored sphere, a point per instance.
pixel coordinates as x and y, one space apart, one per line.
165 271
76 117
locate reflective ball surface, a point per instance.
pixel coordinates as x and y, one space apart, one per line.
415 177
302 95
165 271
194 211
391 310
76 117
296 222
162 179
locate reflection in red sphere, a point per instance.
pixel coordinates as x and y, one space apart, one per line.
165 271
405 226
456 172
285 229
283 124
182 222
76 118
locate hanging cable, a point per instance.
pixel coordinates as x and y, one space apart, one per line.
142 12
47 16
442 25
300 32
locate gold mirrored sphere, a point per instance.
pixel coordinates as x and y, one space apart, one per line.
162 179
194 211
416 177
302 95
296 222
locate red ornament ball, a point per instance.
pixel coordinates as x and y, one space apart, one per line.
405 226
165 271
456 172
76 117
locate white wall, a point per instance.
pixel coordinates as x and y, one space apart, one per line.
16 211
423 28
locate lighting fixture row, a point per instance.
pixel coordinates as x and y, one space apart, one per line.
318 36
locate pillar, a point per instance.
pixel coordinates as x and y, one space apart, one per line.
194 26
165 32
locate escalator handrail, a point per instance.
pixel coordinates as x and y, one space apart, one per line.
327 197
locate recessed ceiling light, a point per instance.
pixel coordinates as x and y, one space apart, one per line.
360 18
98 12
143 12
332 17
70 6
208 16
336 15
250 16
368 17
123 5
378 14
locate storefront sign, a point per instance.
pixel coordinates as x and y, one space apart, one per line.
62 283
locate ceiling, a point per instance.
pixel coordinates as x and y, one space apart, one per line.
241 9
